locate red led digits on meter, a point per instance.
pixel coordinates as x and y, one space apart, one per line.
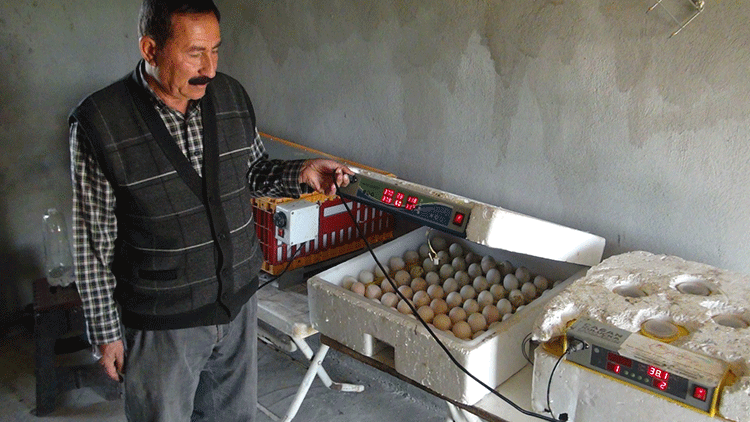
658 373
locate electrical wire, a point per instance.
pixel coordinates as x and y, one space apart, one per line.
526 343
286 267
576 347
432 333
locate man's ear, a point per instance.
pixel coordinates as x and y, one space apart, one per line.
147 46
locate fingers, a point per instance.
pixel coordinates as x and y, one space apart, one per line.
113 359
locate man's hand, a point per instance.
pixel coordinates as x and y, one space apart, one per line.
320 175
113 359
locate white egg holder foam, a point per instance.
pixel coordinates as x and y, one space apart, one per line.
666 282
368 327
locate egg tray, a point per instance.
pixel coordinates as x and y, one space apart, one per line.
710 308
399 340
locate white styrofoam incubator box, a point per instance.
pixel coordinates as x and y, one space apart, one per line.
370 328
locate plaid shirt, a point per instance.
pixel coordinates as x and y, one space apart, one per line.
95 224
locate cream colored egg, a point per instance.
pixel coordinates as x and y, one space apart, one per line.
416 271
510 282
455 250
424 250
471 258
450 285
439 243
406 291
523 275
441 322
348 281
454 299
386 286
516 298
487 263
462 278
411 258
494 276
541 283
504 306
485 298
462 330
429 265
471 306
477 322
389 299
529 291
432 278
402 278
468 292
379 274
426 313
396 263
506 316
498 291
358 288
403 307
421 298
373 291
457 314
446 271
443 258
480 283
366 277
491 313
506 268
439 306
477 334
435 291
474 271
458 264
418 284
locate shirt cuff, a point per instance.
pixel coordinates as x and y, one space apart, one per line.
291 175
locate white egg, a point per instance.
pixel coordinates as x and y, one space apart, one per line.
506 268
474 271
396 263
429 265
541 283
373 291
523 275
421 298
471 306
485 298
441 322
477 322
472 258
358 288
455 250
443 258
366 277
402 278
510 282
457 314
432 278
454 299
462 278
468 292
458 264
424 250
480 283
379 274
386 286
494 276
403 307
504 306
487 263
450 285
435 291
498 291
418 284
516 298
439 243
529 291
411 258
406 291
348 281
446 271
439 306
491 313
506 316
426 313
389 299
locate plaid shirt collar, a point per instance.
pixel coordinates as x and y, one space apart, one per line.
194 106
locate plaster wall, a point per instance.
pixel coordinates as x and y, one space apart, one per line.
580 112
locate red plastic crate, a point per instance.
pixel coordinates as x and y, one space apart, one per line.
336 232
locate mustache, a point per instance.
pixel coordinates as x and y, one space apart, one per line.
200 80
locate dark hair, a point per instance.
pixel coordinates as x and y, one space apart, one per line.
156 16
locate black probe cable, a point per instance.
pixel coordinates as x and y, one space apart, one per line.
429 330
286 267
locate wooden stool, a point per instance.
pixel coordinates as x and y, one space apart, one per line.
58 317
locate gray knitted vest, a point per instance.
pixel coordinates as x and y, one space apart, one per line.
186 253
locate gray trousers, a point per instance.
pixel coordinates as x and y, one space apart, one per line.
193 374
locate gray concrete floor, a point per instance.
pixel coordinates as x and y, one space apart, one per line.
385 399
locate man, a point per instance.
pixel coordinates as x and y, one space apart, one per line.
164 163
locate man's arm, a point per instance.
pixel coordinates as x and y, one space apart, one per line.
94 233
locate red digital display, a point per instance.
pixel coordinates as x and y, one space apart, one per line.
398 202
660 384
622 360
614 367
700 393
399 199
658 373
400 196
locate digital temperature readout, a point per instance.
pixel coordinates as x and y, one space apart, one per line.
399 199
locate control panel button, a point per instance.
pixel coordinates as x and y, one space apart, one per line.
700 393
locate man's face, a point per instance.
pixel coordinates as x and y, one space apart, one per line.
187 61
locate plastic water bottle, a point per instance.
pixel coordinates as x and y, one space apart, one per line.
58 259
